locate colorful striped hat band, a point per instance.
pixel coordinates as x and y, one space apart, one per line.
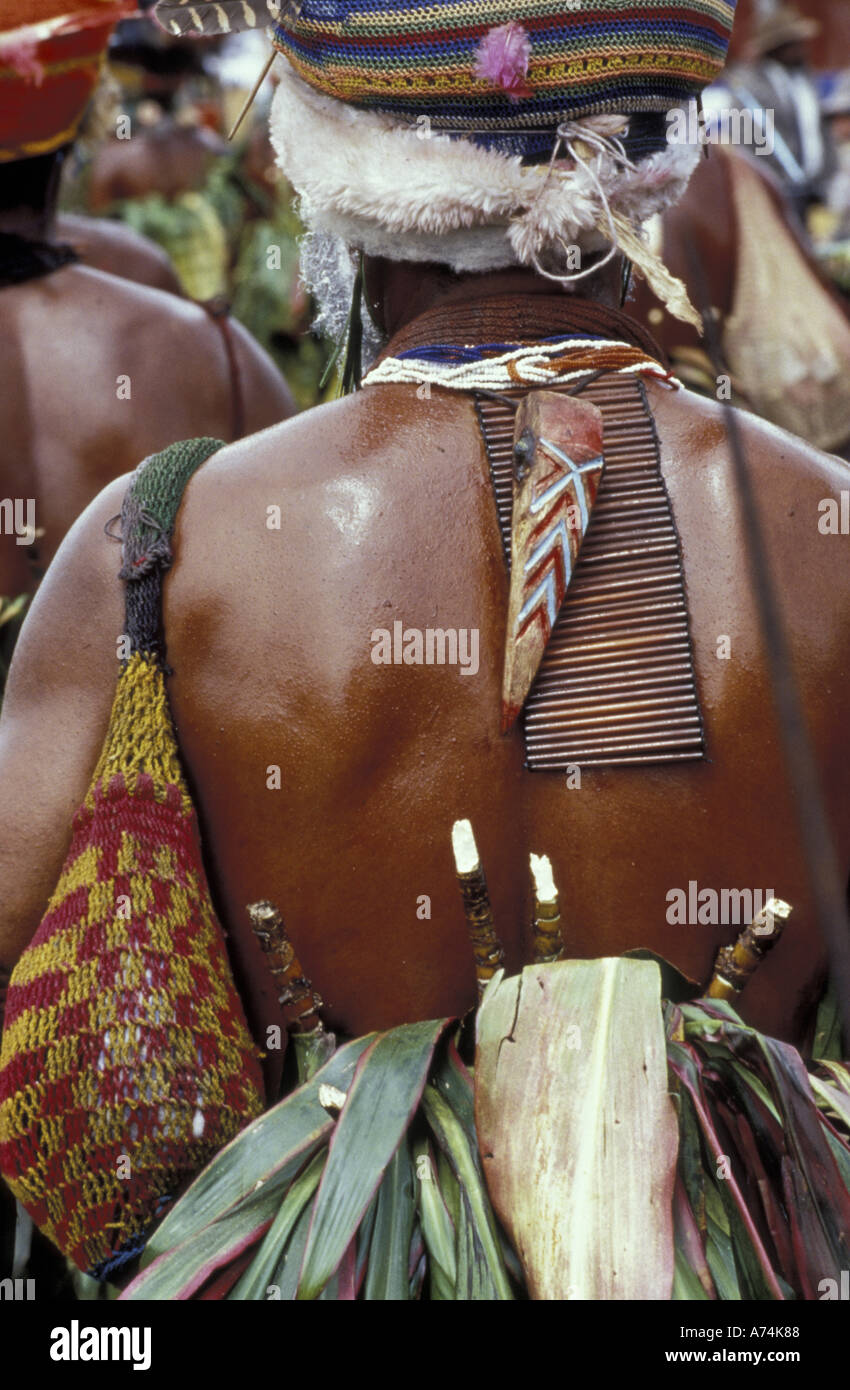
480 134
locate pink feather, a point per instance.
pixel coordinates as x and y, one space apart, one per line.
503 58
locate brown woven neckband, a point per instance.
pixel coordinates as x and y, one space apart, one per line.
520 319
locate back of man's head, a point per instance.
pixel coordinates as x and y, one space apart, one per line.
509 132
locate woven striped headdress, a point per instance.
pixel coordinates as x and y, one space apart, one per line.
479 133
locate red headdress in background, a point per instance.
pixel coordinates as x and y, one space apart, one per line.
51 54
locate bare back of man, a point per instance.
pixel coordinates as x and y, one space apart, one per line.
98 373
386 514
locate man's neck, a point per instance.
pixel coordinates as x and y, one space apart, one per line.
403 292
518 319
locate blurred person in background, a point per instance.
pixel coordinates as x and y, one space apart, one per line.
98 371
829 222
783 333
152 170
117 249
218 208
776 76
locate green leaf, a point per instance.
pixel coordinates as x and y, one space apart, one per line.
451 1136
748 1081
686 1285
449 1187
683 1060
475 1283
690 1155
268 1153
675 986
798 1172
710 1015
384 1093
311 1050
749 1263
364 1240
807 1147
182 1270
387 1270
417 1264
840 1073
841 1154
827 1043
342 1286
454 1082
838 1102
255 1282
719 1253
690 1242
438 1231
13 608
289 1266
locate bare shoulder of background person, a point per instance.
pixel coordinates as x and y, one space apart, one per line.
101 372
118 249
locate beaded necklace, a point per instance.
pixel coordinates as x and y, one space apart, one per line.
506 366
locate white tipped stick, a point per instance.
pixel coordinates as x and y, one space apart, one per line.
548 942
476 904
464 847
544 881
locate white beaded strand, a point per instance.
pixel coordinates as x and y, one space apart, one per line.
528 365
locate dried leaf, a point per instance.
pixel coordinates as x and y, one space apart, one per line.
571 1087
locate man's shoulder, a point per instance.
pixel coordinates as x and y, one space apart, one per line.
154 334
293 459
350 489
385 436
801 496
712 429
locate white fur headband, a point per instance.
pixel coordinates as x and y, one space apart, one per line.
416 194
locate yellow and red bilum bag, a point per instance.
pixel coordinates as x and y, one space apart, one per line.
126 1060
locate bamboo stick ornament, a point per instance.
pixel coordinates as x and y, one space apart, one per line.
548 941
489 956
252 96
297 996
735 965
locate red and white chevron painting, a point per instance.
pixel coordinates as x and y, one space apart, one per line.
558 466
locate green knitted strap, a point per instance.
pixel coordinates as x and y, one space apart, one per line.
147 523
